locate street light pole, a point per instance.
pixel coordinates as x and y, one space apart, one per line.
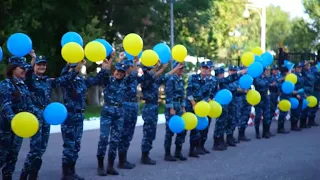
171 27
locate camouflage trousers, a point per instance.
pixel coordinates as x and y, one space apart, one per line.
220 126
38 146
111 124
150 118
180 138
296 113
204 133
72 130
130 116
263 109
243 110
273 103
231 118
194 134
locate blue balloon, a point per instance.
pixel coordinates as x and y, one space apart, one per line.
246 81
71 37
131 57
203 123
1 54
163 52
257 59
223 97
176 124
106 45
19 44
304 104
294 103
255 69
287 87
267 59
55 113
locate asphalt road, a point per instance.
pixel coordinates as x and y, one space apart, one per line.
294 156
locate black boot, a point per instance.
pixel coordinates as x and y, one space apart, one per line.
145 159
265 132
294 126
199 149
312 122
223 143
110 168
303 123
281 129
66 172
257 133
192 150
101 170
6 177
268 131
73 172
242 136
235 141
217 146
24 175
123 163
168 156
204 148
230 140
178 153
33 175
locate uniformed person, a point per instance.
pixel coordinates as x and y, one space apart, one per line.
14 98
282 115
74 95
274 89
111 123
198 89
40 87
175 105
262 84
150 91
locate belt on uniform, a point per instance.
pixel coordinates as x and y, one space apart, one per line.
131 100
115 104
17 110
75 110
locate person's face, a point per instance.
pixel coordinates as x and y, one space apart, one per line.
265 72
298 69
275 71
119 74
19 72
204 70
180 71
307 66
40 68
209 71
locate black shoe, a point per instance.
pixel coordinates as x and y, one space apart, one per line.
101 170
199 149
230 140
235 141
265 132
168 156
217 146
73 172
33 176
242 136
204 148
294 126
257 133
6 177
24 175
123 162
303 123
110 168
145 159
178 154
269 133
192 150
66 172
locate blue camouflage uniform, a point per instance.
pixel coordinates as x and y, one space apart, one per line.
243 110
111 122
232 86
198 89
213 85
14 98
40 87
74 95
274 91
220 125
317 89
282 115
175 96
296 113
261 85
150 92
309 82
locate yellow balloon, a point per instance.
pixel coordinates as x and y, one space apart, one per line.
253 97
149 58
202 109
215 109
179 52
292 78
247 59
25 124
72 52
284 105
95 51
190 120
257 51
312 101
133 44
